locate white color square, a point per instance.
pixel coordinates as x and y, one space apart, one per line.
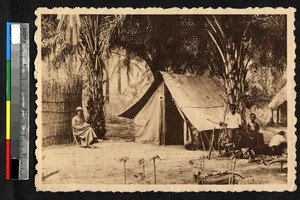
15 34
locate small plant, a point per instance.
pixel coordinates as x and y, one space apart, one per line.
232 179
201 162
154 166
199 174
192 162
143 164
124 160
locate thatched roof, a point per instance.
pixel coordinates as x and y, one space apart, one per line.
279 98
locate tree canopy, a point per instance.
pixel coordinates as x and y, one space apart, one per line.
223 45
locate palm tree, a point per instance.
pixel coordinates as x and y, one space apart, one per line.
225 45
86 37
95 33
238 40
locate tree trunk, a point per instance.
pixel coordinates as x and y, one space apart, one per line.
235 75
95 104
232 55
107 90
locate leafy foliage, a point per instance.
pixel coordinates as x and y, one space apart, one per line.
85 37
49 38
238 39
162 41
95 34
224 45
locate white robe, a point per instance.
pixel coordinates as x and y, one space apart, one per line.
83 130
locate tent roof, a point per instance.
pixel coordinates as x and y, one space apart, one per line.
279 98
136 107
189 92
198 98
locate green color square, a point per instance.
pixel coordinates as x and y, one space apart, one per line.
8 80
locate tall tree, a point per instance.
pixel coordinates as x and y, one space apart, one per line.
89 36
239 39
95 35
225 45
163 42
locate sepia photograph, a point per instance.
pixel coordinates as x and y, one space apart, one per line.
165 99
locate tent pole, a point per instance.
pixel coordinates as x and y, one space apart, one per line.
277 115
272 112
185 131
203 145
211 142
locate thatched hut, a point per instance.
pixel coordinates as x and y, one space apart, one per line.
279 103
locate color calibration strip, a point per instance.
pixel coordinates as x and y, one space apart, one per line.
17 101
8 103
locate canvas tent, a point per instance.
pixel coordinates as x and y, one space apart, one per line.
174 103
279 103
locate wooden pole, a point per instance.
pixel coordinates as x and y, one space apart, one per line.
125 172
211 142
203 145
154 171
203 167
231 178
277 115
272 113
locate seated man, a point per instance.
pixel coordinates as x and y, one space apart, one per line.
277 143
82 129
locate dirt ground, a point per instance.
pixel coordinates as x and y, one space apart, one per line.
72 164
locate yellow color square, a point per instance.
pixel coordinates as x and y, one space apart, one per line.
8 122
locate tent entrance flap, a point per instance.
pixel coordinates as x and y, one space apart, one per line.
150 123
174 122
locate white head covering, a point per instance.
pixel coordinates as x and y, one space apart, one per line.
79 108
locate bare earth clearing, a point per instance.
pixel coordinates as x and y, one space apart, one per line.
101 165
